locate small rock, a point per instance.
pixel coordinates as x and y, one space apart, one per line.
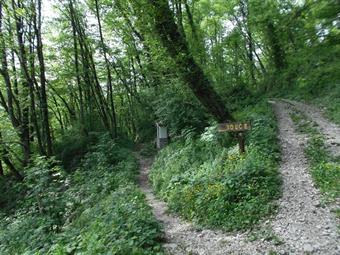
308 248
325 234
317 204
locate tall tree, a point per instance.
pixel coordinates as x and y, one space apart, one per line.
1 169
191 72
43 97
109 76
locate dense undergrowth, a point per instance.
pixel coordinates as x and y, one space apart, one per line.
97 209
206 180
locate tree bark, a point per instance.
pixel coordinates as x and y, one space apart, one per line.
93 92
109 76
191 72
250 41
24 127
43 103
278 53
5 158
1 169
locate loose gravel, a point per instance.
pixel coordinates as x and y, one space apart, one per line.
301 226
302 223
329 129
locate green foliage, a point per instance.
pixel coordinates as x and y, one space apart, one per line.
119 224
11 193
179 110
39 213
215 186
325 169
95 210
303 124
329 99
72 146
266 234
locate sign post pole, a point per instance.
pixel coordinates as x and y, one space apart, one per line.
241 143
238 128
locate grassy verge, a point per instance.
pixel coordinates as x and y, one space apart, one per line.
325 169
97 209
204 179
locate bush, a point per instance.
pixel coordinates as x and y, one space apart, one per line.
215 186
179 110
95 210
72 146
119 224
10 194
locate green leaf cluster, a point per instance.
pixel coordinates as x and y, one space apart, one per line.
96 209
216 186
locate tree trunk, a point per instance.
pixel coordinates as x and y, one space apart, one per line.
33 112
250 41
24 127
5 158
191 72
43 103
1 169
109 76
77 69
278 53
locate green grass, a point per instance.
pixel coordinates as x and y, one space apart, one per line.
209 183
325 169
98 209
266 234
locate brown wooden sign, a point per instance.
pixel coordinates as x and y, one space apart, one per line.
234 127
238 128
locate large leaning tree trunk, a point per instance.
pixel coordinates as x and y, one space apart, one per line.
191 72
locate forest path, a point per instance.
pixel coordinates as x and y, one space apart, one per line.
301 223
330 130
303 226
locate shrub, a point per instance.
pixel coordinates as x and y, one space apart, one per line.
215 186
96 209
72 146
121 223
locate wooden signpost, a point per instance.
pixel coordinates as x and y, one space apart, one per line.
238 128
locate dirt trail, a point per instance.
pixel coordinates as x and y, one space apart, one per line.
329 129
301 222
302 225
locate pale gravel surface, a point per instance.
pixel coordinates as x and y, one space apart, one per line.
329 129
301 223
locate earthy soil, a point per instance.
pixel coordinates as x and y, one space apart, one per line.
301 226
